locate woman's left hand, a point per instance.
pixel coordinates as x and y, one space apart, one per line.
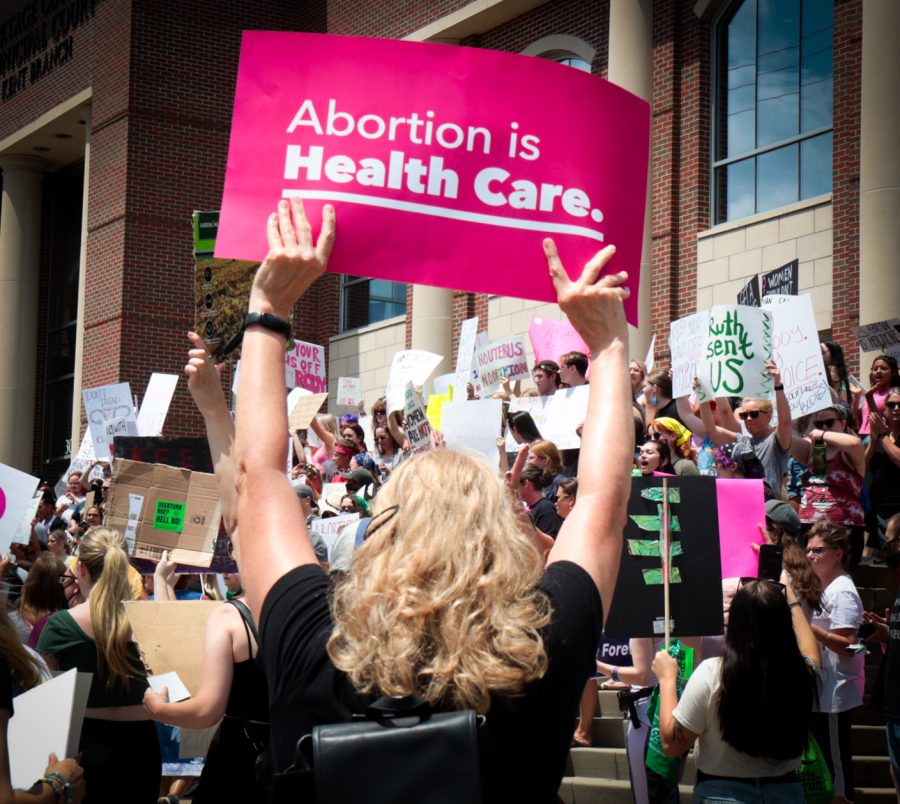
664 667
153 700
877 425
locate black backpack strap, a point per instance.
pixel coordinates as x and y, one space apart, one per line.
249 625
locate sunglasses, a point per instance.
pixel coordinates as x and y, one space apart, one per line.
817 551
892 405
749 414
65 581
826 423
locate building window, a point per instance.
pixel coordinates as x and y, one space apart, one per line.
772 107
367 301
570 60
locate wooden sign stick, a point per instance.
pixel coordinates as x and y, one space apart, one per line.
666 557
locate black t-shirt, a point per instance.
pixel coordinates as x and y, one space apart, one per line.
531 732
6 695
892 664
545 518
884 488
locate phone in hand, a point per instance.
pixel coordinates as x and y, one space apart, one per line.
866 630
770 562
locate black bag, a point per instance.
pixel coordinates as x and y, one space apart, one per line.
400 752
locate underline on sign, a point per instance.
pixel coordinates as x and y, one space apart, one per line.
441 212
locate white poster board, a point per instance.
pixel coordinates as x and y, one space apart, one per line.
16 493
110 412
565 411
650 360
796 351
329 527
687 337
418 428
464 355
349 391
408 365
47 719
500 359
474 425
304 367
23 530
535 406
737 347
443 383
152 415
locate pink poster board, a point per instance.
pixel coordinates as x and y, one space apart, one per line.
742 507
447 165
550 339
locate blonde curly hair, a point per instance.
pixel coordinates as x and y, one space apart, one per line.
442 600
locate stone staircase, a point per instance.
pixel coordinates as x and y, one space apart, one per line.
599 775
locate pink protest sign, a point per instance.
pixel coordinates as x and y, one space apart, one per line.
447 165
551 339
742 506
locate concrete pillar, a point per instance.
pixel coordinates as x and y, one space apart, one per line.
432 323
879 167
82 277
630 67
20 244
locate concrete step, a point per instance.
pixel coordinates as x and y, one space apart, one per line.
875 795
611 763
585 790
877 577
868 740
608 732
865 716
872 771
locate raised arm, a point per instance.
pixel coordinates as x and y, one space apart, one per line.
591 535
278 540
783 431
718 435
325 437
692 422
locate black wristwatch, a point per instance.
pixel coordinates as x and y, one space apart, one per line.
779 387
268 321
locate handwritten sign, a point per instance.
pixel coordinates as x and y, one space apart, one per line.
499 360
749 294
349 391
566 410
473 425
306 406
329 527
796 351
409 365
465 353
878 337
110 412
418 428
783 281
687 341
16 492
438 159
738 346
551 339
152 415
304 367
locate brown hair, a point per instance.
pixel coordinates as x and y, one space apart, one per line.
836 537
41 592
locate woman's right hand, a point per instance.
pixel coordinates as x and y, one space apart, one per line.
71 771
664 667
202 374
877 424
165 569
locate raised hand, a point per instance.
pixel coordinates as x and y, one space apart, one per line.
203 376
294 262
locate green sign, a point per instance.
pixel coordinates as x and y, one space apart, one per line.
169 516
206 227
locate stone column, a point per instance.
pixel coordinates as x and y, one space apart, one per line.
630 67
20 246
82 279
432 323
879 168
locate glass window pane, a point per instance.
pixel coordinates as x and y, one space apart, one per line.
739 189
815 105
779 25
815 166
741 99
776 83
741 42
356 305
776 178
741 76
777 119
740 133
400 294
779 60
380 288
817 14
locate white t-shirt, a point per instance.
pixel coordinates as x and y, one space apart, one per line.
697 712
844 677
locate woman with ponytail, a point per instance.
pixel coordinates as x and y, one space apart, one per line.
120 751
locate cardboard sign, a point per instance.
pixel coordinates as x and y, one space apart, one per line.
408 365
473 425
878 337
465 354
349 391
418 429
329 528
16 493
152 414
551 339
784 281
438 158
749 294
687 342
695 590
566 410
738 346
304 367
502 359
110 413
180 511
304 410
47 718
796 351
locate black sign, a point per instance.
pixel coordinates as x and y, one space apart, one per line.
695 589
749 294
784 281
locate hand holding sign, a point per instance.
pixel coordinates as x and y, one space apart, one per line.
204 381
293 262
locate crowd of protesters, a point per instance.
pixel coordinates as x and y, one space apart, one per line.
474 586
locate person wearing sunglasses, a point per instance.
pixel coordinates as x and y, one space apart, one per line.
832 484
771 444
835 627
883 462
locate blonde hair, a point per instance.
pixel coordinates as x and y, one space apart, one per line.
210 586
441 603
330 423
765 405
102 552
